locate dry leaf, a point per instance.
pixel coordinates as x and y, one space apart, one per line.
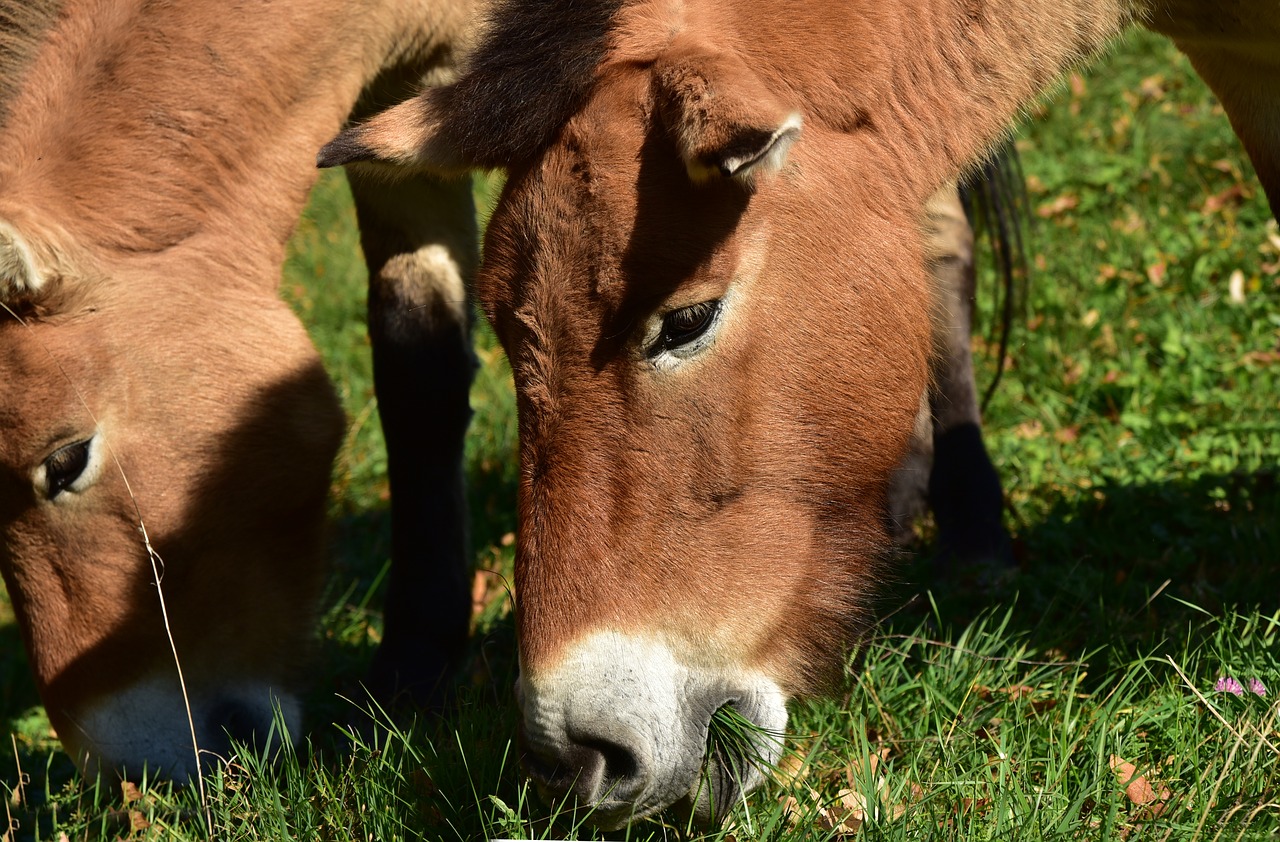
1233 195
791 807
869 766
138 821
791 768
1136 787
796 812
1152 87
973 804
478 587
1057 206
1074 371
1155 273
1029 430
488 587
1066 435
129 792
847 814
1261 357
1235 287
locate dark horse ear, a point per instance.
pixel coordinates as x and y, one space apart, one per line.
724 121
412 135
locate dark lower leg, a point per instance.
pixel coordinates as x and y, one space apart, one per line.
419 239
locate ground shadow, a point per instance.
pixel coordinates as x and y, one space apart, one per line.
1120 563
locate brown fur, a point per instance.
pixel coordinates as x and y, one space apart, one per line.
730 503
155 159
739 497
22 27
677 505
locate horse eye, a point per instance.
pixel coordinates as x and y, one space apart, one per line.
684 326
64 466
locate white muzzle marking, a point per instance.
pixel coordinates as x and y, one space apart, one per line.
145 727
640 716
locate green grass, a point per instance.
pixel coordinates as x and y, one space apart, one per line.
1136 431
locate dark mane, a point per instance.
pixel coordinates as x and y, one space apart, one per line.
534 53
22 27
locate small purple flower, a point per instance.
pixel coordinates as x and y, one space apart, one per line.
1227 684
1256 686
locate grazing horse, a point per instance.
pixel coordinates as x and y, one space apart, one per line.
709 273
163 415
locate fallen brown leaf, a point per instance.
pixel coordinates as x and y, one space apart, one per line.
1058 206
1235 287
1152 87
129 792
866 766
1233 195
848 813
1136 787
791 768
1029 430
1261 357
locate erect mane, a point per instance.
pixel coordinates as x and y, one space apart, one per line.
22 27
533 69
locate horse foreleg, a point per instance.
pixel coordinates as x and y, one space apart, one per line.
964 488
419 238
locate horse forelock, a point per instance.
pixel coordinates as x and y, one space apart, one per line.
23 24
532 51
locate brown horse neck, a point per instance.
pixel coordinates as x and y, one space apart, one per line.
139 127
965 68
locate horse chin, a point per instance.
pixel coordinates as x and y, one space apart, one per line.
140 732
722 784
729 775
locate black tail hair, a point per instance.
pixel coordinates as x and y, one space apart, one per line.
994 195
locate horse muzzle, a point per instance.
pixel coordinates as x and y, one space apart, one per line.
144 729
620 726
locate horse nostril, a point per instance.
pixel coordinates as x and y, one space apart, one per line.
620 770
591 769
234 721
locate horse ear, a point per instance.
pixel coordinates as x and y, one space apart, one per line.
20 278
724 121
413 135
